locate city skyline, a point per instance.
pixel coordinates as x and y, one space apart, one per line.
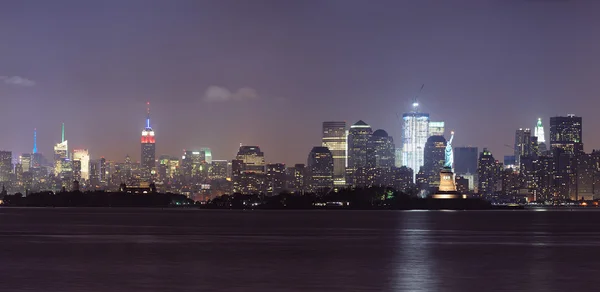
210 85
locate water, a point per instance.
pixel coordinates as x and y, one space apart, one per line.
200 250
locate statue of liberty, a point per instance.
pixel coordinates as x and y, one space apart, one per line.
449 152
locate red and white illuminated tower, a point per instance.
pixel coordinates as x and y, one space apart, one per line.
148 151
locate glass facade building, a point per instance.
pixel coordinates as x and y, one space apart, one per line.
334 138
415 131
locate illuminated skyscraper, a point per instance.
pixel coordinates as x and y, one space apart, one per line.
566 134
541 139
434 158
415 131
539 131
320 169
380 150
276 178
207 154
25 161
487 172
522 145
334 138
6 166
61 151
249 171
83 156
358 140
436 128
148 151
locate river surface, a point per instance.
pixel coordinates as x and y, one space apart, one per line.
199 250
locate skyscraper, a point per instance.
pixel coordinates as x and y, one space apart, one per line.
415 131
434 158
207 154
276 178
6 166
522 145
25 161
358 138
61 152
465 160
320 169
488 173
334 138
541 137
566 134
147 162
380 150
436 129
249 171
83 156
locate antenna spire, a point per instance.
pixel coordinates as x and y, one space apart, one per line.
63 132
35 140
148 116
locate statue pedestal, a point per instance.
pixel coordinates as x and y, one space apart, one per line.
447 189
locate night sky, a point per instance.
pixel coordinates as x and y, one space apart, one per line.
268 73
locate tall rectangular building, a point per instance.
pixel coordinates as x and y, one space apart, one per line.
148 153
334 138
465 160
566 134
6 166
83 156
415 131
522 145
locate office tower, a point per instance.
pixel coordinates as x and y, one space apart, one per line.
465 160
380 150
276 178
77 170
164 169
586 175
193 166
207 154
522 144
415 131
61 151
398 156
25 161
358 138
296 181
334 138
83 156
487 172
6 167
320 169
249 171
434 159
436 129
253 159
541 136
148 159
94 174
545 178
103 173
218 169
566 134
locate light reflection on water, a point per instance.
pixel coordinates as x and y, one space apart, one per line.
171 250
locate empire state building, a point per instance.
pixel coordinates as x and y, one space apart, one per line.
147 164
